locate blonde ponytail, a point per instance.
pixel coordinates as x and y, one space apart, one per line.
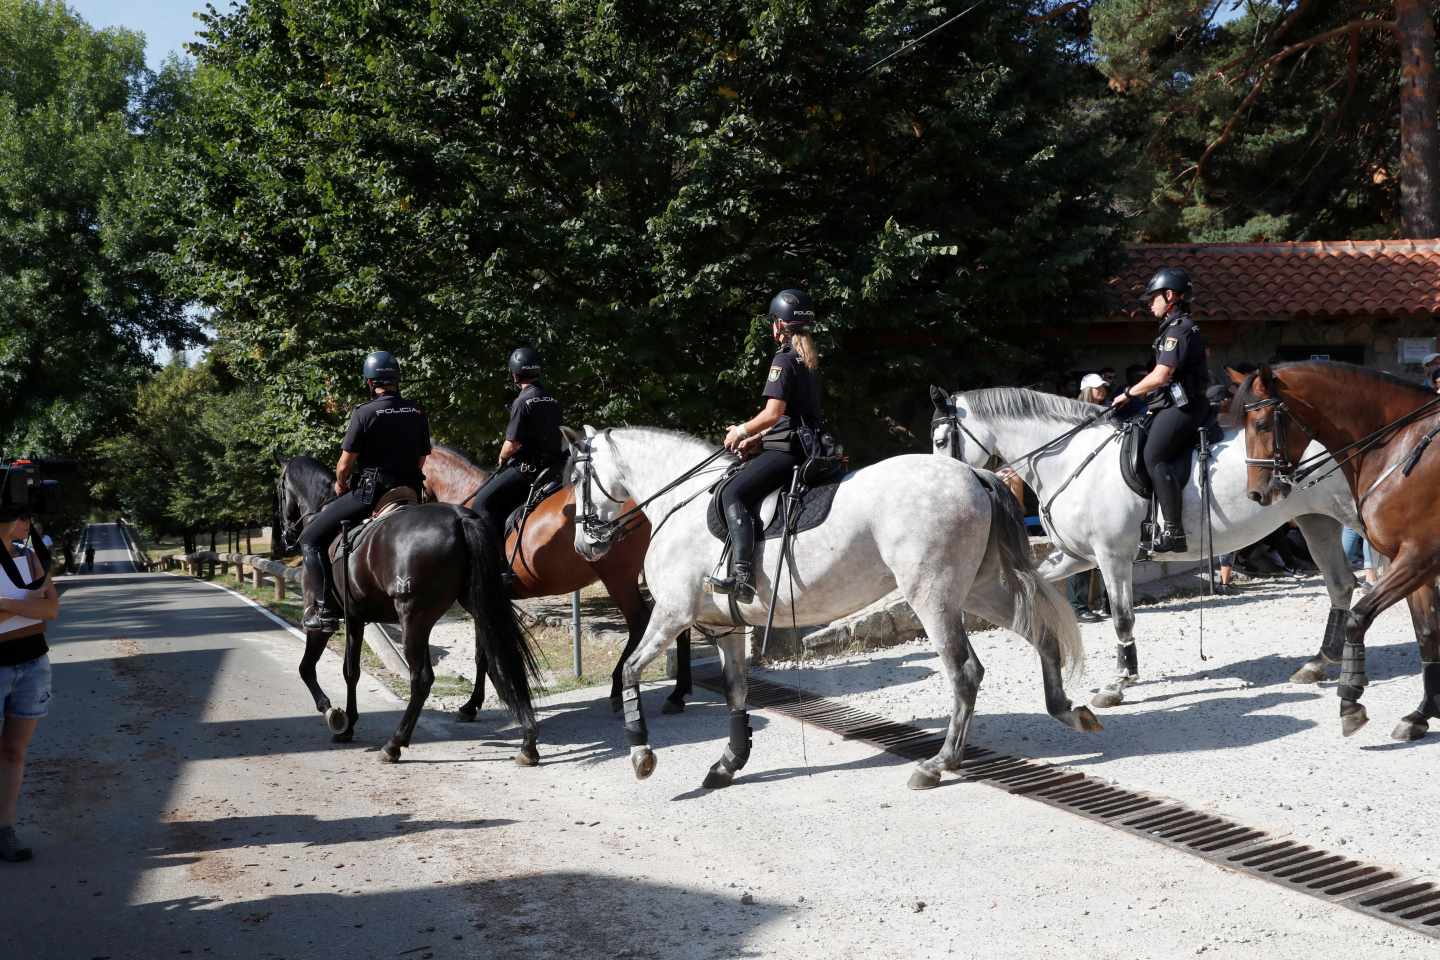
804 345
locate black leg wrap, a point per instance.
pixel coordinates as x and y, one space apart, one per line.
1334 642
1352 671
1431 707
1127 660
635 732
737 751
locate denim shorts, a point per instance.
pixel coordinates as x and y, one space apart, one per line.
25 688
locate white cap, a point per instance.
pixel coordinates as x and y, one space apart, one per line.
1429 359
1092 380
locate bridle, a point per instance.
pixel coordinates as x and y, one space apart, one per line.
290 532
602 532
1283 469
952 420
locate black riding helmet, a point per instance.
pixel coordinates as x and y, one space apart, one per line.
382 367
1168 278
524 362
793 310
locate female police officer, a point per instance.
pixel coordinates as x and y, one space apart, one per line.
388 441
792 401
1177 389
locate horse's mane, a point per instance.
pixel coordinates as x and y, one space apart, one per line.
1017 403
310 478
673 435
1245 393
460 455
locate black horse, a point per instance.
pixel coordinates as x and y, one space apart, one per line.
408 569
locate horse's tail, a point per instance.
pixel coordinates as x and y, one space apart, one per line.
497 631
1039 608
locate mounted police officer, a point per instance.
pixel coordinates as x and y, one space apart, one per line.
385 447
792 405
1176 395
533 442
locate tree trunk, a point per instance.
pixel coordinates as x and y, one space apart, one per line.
1419 159
212 539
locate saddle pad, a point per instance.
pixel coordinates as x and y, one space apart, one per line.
518 515
359 533
814 508
1132 455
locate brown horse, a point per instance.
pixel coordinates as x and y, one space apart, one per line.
1379 428
545 564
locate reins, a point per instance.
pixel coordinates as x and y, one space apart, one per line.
953 419
617 527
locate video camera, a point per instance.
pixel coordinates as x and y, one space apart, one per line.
30 487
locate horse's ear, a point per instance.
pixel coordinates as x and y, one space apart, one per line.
1236 377
571 437
279 460
589 432
939 398
1264 386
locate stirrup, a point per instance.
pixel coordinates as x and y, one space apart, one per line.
321 618
742 588
1171 540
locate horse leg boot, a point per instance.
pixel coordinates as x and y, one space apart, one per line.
1331 649
315 582
1352 678
1424 606
1127 672
736 755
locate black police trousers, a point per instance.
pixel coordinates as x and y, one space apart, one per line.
322 530
1172 437
768 471
506 489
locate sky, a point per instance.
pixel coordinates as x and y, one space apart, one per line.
166 23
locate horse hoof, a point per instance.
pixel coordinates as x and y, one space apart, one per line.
1087 722
389 753
1311 671
527 757
1353 720
718 778
1111 696
1410 729
335 720
344 736
466 715
643 760
672 706
923 780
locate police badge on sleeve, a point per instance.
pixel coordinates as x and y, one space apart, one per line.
1170 343
774 374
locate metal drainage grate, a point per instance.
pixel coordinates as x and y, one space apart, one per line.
1366 888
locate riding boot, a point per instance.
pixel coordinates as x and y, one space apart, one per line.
741 582
1172 539
319 614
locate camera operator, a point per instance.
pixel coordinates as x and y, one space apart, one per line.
27 600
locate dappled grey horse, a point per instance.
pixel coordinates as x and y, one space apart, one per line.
950 538
1093 518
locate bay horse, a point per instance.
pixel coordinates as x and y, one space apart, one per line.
1380 430
949 537
545 564
409 568
1093 517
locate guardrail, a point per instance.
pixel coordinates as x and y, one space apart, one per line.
207 563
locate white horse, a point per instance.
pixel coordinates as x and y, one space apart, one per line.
949 537
1094 518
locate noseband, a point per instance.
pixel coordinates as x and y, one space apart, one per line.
1282 467
597 530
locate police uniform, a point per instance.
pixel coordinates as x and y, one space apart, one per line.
1181 347
388 435
780 450
535 419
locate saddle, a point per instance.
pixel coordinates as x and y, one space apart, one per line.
1132 453
546 485
814 508
387 505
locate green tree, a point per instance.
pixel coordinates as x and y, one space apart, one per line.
81 290
1296 121
624 185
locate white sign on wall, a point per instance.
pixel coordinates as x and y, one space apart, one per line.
1414 349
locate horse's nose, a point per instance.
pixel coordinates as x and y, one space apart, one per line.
1255 495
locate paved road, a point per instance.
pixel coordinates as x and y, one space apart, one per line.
185 801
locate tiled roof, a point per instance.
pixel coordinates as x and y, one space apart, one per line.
1253 281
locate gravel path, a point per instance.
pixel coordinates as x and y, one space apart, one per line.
186 801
